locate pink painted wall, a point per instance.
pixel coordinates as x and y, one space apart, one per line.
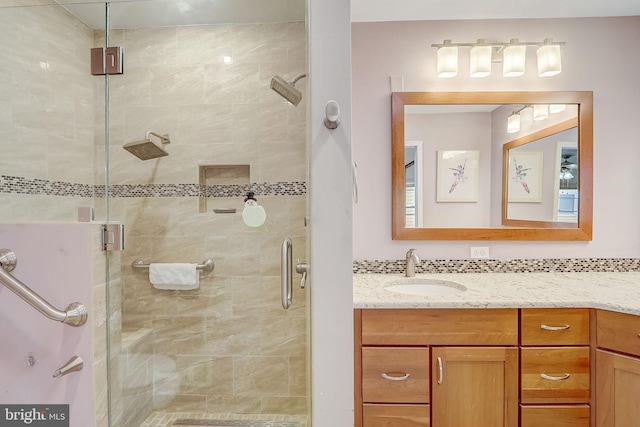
598 56
55 261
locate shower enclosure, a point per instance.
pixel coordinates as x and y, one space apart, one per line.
226 351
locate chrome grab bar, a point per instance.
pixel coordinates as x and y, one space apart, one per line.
75 314
207 265
286 273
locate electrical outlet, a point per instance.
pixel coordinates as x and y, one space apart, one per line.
479 252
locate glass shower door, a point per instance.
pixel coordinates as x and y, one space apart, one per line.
197 85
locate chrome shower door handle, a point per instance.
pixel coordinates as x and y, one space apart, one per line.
286 273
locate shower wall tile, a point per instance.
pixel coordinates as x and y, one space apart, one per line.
204 124
285 405
296 45
261 42
237 82
232 336
220 404
205 375
131 88
258 122
283 336
298 384
261 376
177 85
151 47
46 105
282 161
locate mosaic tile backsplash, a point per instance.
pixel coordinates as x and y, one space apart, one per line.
564 265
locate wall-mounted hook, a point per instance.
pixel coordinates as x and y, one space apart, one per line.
332 115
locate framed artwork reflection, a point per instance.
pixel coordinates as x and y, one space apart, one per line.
525 176
457 176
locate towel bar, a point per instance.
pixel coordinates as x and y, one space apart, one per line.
207 265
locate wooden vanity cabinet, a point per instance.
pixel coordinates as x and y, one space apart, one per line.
617 369
472 357
555 367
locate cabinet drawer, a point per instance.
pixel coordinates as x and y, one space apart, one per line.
440 326
554 416
554 375
554 326
395 375
618 331
395 415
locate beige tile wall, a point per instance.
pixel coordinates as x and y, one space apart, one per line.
47 98
228 346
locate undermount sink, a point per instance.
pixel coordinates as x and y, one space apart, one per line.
425 287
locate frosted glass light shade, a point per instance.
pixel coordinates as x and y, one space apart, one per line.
514 60
540 111
557 108
447 61
513 123
549 60
480 61
526 116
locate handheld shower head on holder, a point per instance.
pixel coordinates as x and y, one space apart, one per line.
286 89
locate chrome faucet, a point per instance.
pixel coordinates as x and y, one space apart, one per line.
412 261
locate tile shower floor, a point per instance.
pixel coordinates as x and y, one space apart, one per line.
187 419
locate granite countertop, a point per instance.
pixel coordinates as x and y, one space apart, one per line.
609 291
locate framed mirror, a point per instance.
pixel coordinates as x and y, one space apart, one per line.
470 154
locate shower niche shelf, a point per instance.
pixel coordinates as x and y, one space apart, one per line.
216 181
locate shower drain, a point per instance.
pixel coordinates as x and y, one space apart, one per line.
234 423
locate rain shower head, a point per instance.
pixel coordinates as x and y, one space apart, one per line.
286 89
147 149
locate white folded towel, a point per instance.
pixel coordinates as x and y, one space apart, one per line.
178 276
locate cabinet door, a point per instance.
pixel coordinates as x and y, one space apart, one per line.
475 386
617 390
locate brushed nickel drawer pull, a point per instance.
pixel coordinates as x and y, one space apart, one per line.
549 377
395 376
440 370
554 328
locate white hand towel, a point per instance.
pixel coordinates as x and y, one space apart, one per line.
178 276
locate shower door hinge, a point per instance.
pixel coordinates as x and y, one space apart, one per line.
113 237
106 60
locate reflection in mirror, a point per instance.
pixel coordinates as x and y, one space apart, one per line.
541 176
554 134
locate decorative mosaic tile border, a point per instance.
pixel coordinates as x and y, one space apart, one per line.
21 185
568 265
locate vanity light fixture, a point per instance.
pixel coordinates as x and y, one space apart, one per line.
447 60
512 55
530 112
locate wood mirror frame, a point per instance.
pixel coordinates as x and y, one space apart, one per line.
539 231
